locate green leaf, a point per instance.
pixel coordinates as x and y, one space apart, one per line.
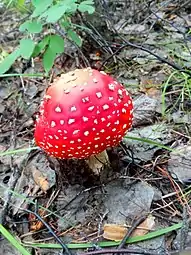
48 59
56 43
86 6
9 60
75 37
40 6
26 48
31 27
40 46
54 13
13 240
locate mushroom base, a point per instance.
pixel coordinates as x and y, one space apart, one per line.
97 162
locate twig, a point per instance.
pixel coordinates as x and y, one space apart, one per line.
64 247
119 251
130 230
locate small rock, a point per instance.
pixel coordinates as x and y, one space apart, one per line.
127 202
179 162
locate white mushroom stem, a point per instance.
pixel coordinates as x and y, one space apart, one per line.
97 162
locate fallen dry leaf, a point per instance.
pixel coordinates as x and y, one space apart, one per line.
116 232
40 179
35 224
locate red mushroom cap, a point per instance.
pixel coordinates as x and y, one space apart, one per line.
83 112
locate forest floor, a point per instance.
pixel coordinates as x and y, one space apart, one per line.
147 193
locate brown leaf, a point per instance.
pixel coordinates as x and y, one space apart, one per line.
116 232
40 179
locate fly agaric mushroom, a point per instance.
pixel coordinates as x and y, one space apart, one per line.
82 113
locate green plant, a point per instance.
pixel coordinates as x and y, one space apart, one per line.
47 15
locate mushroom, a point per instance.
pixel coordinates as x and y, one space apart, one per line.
82 113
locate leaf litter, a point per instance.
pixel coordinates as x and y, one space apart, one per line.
87 208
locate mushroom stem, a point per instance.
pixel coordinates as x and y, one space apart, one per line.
97 162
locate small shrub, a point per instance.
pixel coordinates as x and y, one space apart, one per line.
47 14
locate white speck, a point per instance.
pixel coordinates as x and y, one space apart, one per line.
71 141
105 106
79 140
56 146
115 104
56 137
119 136
103 72
129 101
87 153
65 131
70 121
91 108
98 112
51 137
88 148
111 98
53 124
95 121
115 82
74 85
64 137
47 97
109 116
113 112
76 131
76 153
120 92
96 146
103 119
59 131
95 80
123 110
126 104
102 144
85 119
99 94
79 147
84 143
81 89
63 151
96 138
117 111
119 100
111 86
108 137
58 109
108 124
66 91
85 99
127 93
73 109
102 131
124 126
90 143
131 111
117 122
63 145
86 133
62 122
50 145
70 155
114 129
